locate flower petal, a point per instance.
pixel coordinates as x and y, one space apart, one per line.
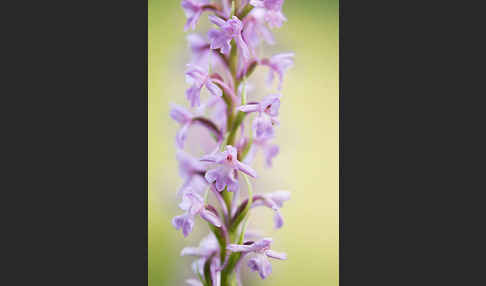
270 153
192 21
193 251
277 219
216 20
279 197
180 114
213 89
231 150
255 246
193 94
220 184
194 282
197 266
231 182
178 221
267 35
246 169
196 202
262 243
212 175
226 47
239 248
261 264
257 3
186 201
210 217
185 221
215 274
181 135
276 255
211 158
249 108
187 226
243 47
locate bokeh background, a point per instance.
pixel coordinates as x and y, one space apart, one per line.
308 162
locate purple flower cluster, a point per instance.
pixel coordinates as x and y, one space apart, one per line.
222 62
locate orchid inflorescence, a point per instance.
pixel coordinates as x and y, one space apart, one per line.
221 65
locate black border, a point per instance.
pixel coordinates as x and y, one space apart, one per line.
409 122
80 143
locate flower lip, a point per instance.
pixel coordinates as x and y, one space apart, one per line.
198 77
262 251
228 30
225 175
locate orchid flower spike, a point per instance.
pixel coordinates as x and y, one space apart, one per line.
222 64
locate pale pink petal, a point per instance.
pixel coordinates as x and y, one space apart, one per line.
276 255
249 108
181 135
246 169
279 197
213 89
216 20
239 248
210 217
194 282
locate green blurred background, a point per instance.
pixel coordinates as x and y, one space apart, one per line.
308 137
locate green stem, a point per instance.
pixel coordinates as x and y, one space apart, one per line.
240 116
250 190
245 11
233 61
228 280
243 230
233 7
227 196
203 281
229 110
236 7
239 217
247 147
207 272
221 240
232 135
